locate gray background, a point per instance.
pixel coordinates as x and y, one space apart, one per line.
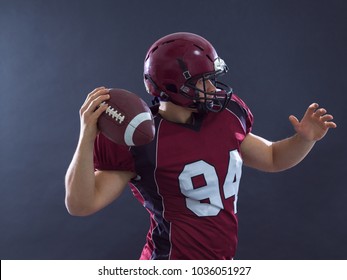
283 55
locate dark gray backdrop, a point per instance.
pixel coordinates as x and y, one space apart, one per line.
283 55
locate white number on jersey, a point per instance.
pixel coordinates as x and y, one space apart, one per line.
211 190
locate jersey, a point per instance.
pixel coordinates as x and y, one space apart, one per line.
188 180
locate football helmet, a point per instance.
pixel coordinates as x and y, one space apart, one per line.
175 63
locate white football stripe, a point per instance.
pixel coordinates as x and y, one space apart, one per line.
135 122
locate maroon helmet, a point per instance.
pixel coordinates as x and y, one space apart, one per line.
175 63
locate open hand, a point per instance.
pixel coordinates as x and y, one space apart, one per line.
314 124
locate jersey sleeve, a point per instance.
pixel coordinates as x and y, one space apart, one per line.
248 116
111 156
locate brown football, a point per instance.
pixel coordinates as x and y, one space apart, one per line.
127 120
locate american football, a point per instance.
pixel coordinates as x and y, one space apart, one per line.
127 119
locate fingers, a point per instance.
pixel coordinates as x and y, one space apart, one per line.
100 109
91 110
91 94
94 99
321 115
327 121
316 114
95 91
330 124
312 108
326 118
293 120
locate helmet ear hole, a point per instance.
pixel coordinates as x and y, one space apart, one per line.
171 87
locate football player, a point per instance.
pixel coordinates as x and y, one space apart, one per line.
188 176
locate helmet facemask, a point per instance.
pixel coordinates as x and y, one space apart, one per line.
206 101
203 99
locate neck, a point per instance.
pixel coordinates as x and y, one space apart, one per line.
175 113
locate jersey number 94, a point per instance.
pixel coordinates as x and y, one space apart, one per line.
210 191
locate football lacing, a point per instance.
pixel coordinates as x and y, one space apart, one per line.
118 117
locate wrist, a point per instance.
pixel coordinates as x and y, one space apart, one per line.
304 140
86 139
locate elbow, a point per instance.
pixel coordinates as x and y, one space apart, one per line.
74 209
73 203
76 212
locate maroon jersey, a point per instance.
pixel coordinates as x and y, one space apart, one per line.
188 180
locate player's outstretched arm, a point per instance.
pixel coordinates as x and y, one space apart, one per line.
88 191
277 156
